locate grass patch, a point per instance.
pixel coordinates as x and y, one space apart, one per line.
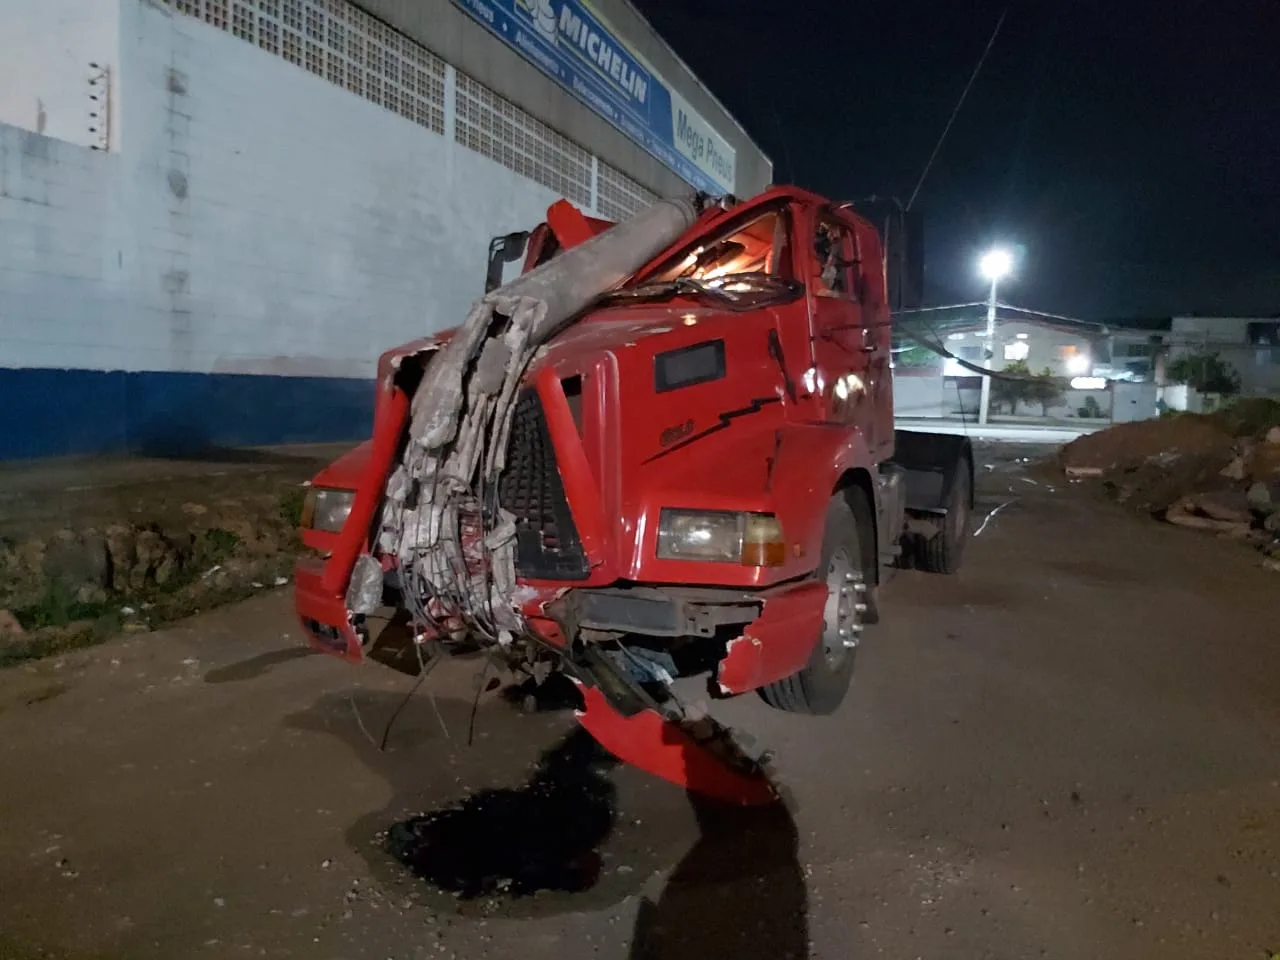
219 544
291 507
59 607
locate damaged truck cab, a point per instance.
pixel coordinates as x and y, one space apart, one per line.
696 472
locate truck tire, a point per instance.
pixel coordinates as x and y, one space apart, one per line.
820 686
942 553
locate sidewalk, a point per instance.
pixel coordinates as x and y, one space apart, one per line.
1001 432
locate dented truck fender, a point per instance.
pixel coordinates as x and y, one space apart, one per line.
813 462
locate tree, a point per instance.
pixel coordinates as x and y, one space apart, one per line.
1013 387
1046 390
1204 371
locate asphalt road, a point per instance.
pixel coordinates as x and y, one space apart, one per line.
1070 750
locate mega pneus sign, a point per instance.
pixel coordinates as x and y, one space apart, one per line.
570 43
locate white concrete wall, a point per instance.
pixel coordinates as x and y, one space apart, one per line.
920 396
259 219
67 291
47 49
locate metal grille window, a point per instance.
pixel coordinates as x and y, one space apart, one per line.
340 42
242 20
269 35
496 128
618 196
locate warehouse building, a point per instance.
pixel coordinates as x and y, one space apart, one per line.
215 214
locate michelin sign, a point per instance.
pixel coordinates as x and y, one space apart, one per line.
573 46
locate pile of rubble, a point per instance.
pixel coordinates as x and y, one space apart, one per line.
1218 472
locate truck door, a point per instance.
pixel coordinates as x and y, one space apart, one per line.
842 343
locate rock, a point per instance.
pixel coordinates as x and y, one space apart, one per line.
1235 470
10 628
1259 497
1229 506
151 549
194 509
73 561
1084 471
168 566
1273 435
1189 512
121 551
1272 565
91 593
1272 522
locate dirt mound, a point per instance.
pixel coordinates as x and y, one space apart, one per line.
1129 445
1219 472
1153 463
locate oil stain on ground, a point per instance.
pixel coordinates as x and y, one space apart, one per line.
544 835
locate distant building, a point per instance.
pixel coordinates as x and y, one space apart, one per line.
1091 356
1249 344
215 214
1120 363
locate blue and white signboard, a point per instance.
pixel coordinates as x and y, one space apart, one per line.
573 46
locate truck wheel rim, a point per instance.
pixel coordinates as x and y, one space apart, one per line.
842 616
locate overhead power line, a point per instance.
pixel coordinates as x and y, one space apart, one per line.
959 103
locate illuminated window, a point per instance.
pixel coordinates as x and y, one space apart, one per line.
1017 351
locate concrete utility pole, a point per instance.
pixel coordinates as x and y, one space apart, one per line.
994 265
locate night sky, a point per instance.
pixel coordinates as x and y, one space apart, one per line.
1131 148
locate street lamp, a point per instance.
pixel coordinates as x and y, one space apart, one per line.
995 264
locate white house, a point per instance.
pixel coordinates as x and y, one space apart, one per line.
1250 344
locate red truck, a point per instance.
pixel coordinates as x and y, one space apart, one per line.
696 472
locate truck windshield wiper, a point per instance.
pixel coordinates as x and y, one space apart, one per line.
743 291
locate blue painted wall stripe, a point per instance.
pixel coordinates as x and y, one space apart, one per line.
55 413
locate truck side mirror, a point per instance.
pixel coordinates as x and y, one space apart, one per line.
503 250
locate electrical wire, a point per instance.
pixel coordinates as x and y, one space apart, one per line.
959 103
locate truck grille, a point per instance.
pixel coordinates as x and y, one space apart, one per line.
547 544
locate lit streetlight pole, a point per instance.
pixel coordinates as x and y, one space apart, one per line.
994 265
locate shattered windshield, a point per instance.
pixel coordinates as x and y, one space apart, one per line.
746 265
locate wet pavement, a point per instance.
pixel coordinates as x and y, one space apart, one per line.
1071 749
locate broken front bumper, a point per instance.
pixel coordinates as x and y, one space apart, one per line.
779 626
776 628
774 632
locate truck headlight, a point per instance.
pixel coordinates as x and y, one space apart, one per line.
326 508
751 539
